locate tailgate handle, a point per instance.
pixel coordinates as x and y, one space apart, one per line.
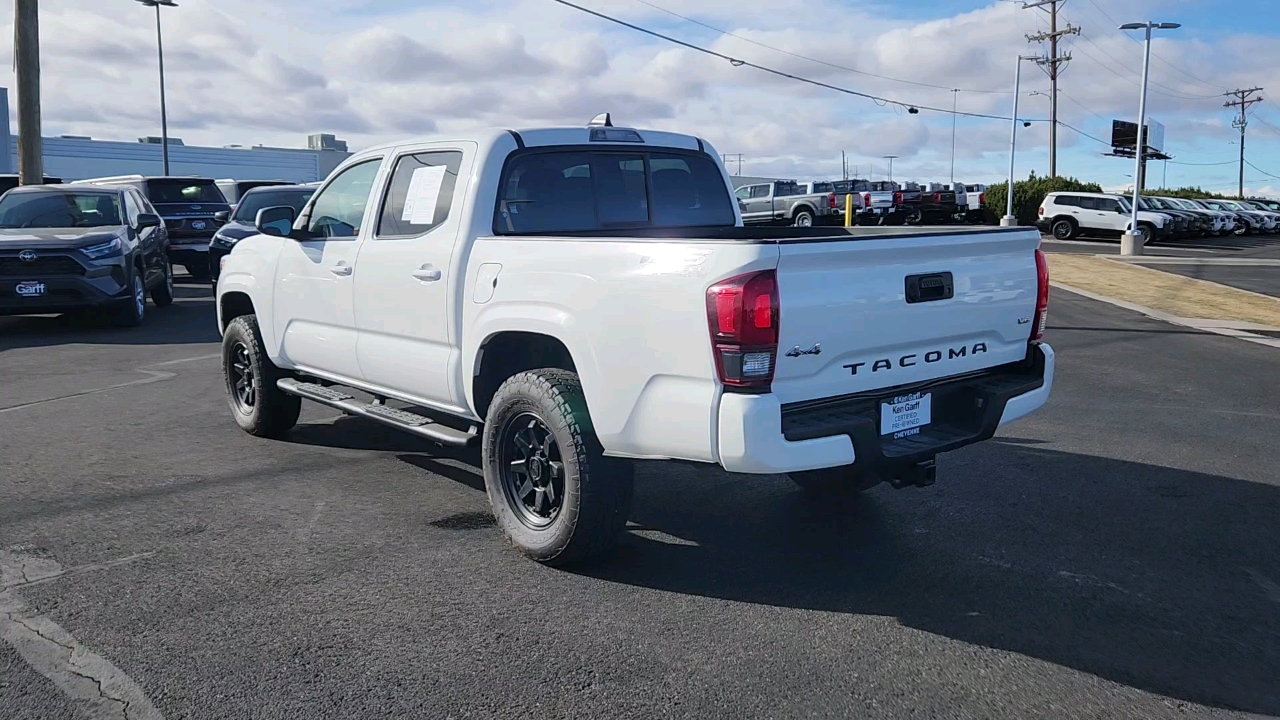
929 287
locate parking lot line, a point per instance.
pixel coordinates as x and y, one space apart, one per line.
82 674
152 377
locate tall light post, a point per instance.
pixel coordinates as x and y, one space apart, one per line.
1131 241
164 117
1009 219
955 97
890 158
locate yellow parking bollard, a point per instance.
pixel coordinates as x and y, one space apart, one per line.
848 211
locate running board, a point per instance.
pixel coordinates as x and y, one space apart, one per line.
409 422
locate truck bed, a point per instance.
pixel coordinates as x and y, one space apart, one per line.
781 235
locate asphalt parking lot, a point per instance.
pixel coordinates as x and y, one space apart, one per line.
1112 556
1249 263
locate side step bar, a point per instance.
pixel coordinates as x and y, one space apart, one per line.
402 419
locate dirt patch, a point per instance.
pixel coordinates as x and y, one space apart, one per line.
1169 293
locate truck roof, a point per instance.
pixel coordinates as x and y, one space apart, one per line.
552 136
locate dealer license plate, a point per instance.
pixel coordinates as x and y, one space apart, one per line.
905 415
29 289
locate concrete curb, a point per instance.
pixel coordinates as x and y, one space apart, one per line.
1229 328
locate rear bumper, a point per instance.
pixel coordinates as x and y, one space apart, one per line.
758 435
189 251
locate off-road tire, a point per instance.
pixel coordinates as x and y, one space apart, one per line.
596 491
272 412
834 482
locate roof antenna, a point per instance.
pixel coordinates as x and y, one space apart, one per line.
601 120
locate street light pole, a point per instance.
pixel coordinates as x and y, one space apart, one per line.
890 158
1131 241
164 116
955 96
1009 219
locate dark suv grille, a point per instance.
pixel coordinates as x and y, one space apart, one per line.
42 266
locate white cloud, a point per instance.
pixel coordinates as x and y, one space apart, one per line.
246 72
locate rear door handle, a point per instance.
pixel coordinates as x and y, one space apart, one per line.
341 269
427 273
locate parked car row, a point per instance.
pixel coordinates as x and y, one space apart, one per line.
104 245
803 204
1068 215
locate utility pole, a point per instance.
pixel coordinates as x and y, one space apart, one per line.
27 59
844 165
1054 65
955 96
725 157
890 158
1243 101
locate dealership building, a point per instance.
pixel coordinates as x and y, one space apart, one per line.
72 157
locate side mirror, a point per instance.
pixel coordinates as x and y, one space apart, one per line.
148 220
222 216
276 221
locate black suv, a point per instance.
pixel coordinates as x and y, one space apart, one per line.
189 206
240 222
68 248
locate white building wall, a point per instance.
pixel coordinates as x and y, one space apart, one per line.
77 159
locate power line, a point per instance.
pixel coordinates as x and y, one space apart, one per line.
1082 106
726 33
1176 94
1224 162
1153 54
1264 172
737 62
1078 131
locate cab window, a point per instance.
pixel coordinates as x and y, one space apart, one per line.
338 210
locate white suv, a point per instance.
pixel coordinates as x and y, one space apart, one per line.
1067 215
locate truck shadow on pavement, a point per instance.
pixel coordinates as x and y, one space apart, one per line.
1160 579
191 319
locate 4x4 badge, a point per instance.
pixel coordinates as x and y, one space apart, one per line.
797 352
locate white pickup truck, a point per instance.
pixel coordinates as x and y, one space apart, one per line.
570 299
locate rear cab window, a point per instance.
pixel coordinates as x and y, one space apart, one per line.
582 190
184 191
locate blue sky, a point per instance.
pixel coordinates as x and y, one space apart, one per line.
243 71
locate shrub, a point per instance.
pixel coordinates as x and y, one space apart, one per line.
1028 194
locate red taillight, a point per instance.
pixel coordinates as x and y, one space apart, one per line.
831 201
897 198
1041 211
937 198
1042 297
982 198
742 313
866 199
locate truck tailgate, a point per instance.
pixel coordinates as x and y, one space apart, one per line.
847 325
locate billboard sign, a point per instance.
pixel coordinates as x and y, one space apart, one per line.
1124 136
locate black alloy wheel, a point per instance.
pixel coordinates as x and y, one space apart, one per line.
532 470
242 379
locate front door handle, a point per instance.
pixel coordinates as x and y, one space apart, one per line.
427 273
341 269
